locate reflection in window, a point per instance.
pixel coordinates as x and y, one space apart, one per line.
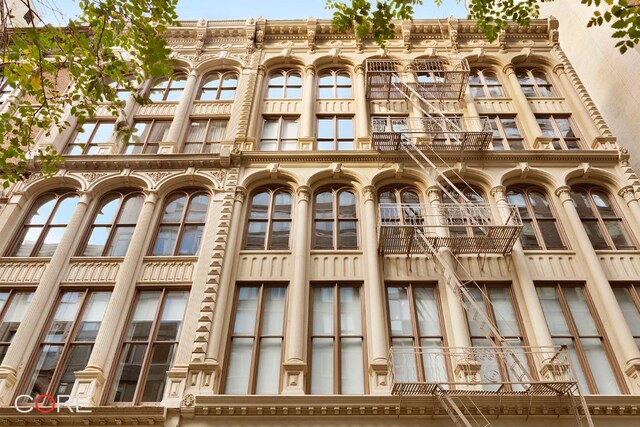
269 220
219 86
279 134
45 225
560 131
285 84
168 89
182 224
534 83
407 210
335 220
67 344
485 84
87 139
628 297
204 136
255 355
113 224
337 341
335 133
13 306
600 219
571 323
540 229
506 134
334 84
149 346
147 136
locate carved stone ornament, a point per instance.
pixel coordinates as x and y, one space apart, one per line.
157 176
91 177
188 400
219 175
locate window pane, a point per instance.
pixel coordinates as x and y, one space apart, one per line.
280 235
580 311
618 234
350 319
551 235
600 366
325 128
627 305
120 241
552 311
294 93
269 362
92 316
322 366
103 133
322 311
197 131
506 320
64 211
273 312
107 212
323 235
127 376
260 206
131 210
404 360
44 369
433 361
63 318
581 201
245 322
282 206
84 134
345 128
239 361
576 364
347 235
346 205
198 208
427 311
256 235
289 129
546 127
351 366
595 234
156 375
173 210
172 314
165 242
41 214
143 316
76 361
51 240
399 311
217 130
28 241
14 315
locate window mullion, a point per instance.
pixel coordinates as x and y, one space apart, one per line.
337 369
257 331
46 226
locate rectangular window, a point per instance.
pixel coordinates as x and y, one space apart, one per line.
67 344
335 133
279 134
628 297
13 307
149 346
147 136
571 322
87 139
255 351
506 134
337 341
204 136
560 130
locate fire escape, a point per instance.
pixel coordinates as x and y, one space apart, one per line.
462 380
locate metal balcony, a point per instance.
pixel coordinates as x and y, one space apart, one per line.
464 228
439 79
437 133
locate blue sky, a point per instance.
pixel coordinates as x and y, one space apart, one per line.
270 9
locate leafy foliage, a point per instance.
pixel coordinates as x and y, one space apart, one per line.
73 69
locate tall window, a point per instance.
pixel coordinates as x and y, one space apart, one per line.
279 134
122 93
560 130
67 343
45 225
534 83
506 134
218 86
255 355
335 219
149 346
484 83
600 219
13 306
337 341
334 84
335 133
415 321
628 297
540 229
147 136
285 84
571 322
182 225
5 90
113 224
204 136
497 303
87 139
168 89
269 220
395 209
471 221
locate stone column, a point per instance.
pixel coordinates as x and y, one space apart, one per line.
89 382
362 116
614 322
180 118
254 119
629 196
375 298
307 118
40 305
524 288
530 127
295 360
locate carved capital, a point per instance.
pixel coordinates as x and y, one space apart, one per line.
85 197
559 69
627 194
499 193
151 196
509 69
564 193
303 193
262 70
434 194
240 194
369 193
310 70
359 69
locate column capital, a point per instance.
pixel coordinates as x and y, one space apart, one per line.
559 69
564 193
240 194
310 70
262 70
85 197
151 196
627 193
509 69
303 193
192 72
359 69
434 194
369 193
499 192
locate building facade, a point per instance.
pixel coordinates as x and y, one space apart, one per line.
310 229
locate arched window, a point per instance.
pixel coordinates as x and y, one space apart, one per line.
285 84
600 219
113 224
334 84
269 220
45 225
168 89
540 229
479 217
335 219
182 224
122 93
218 86
400 206
534 83
484 83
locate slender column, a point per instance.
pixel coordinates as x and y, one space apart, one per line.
295 360
526 117
614 321
469 103
629 196
255 109
360 92
40 304
182 113
525 289
308 102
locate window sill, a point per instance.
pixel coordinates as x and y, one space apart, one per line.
80 258
549 251
265 251
173 258
336 251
